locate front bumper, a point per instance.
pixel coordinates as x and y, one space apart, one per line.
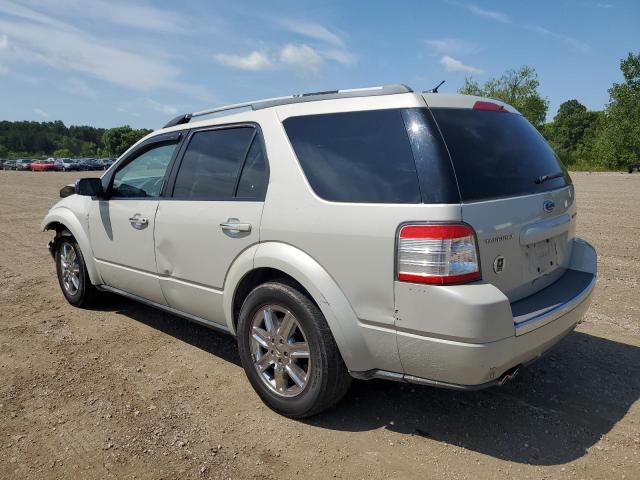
472 335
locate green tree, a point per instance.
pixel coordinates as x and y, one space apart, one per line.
117 140
618 138
518 88
88 149
63 153
37 139
572 132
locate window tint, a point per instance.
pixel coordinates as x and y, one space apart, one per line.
356 156
253 180
497 154
143 176
211 163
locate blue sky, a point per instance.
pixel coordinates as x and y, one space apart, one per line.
115 62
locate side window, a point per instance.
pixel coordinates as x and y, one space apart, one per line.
144 175
253 179
211 164
358 157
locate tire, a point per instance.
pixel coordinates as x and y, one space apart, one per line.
74 281
327 378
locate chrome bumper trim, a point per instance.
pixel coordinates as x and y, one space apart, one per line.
400 377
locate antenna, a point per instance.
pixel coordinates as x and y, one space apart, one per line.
435 90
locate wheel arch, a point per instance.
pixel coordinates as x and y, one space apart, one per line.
62 219
272 260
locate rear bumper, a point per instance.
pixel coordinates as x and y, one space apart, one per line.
470 356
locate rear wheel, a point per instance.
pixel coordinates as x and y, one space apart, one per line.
288 352
72 273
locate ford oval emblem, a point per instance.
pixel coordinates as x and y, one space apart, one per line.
549 205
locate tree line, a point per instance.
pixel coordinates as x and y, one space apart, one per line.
583 139
27 139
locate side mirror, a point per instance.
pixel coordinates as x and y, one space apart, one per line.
90 187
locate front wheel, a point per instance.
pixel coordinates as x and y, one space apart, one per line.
288 352
72 273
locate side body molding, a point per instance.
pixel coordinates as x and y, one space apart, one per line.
332 302
79 229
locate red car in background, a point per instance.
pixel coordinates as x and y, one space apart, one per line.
43 165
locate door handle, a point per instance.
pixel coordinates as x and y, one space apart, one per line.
139 222
233 226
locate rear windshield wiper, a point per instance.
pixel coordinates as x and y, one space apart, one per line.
544 178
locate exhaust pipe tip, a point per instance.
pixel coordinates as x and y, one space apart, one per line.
509 375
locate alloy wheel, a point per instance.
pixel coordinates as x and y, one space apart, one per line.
69 268
280 351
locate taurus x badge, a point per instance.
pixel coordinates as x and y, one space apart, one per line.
548 205
498 264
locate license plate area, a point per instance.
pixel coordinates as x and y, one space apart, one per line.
542 256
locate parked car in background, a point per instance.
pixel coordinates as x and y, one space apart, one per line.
43 166
23 164
65 164
106 162
93 164
78 163
368 233
9 165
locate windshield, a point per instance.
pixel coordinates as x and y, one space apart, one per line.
498 154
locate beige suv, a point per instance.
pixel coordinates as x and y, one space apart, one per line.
368 233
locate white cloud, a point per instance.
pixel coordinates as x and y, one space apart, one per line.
301 56
570 42
490 14
338 55
327 44
41 113
27 13
128 14
314 31
33 37
452 65
451 46
77 51
4 42
253 61
78 87
159 107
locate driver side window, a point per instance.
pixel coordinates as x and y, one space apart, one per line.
144 175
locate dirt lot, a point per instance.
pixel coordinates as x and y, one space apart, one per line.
124 391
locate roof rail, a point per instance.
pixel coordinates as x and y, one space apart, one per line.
390 89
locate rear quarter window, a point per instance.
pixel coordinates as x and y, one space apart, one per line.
362 157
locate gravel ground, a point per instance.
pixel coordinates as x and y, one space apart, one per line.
125 391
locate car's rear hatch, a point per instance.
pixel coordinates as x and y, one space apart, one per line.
524 221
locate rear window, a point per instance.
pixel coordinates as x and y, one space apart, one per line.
497 154
374 156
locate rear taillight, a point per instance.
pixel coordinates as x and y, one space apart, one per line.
441 254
